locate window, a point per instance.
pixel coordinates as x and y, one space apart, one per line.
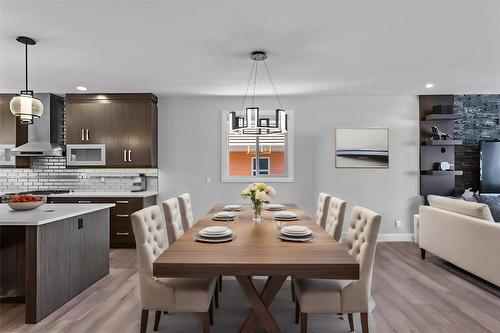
240 153
263 165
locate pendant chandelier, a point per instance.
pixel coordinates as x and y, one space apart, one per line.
24 105
251 122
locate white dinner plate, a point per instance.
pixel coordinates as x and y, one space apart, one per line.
233 207
213 235
275 207
214 230
295 228
296 234
225 214
309 238
285 215
197 237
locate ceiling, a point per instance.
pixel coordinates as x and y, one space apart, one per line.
201 48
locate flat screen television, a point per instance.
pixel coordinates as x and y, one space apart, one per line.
489 173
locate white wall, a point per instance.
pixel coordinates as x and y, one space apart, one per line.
190 148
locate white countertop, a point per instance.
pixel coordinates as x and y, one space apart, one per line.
142 194
46 213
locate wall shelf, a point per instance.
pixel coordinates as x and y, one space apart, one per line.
442 116
442 143
442 173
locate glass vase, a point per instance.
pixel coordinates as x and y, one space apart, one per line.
257 212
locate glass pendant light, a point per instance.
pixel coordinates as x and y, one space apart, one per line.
252 123
25 105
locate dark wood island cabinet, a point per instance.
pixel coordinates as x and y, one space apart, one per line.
51 254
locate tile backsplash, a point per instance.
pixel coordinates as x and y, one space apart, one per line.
47 173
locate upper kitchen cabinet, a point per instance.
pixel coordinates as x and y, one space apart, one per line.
12 134
85 121
125 123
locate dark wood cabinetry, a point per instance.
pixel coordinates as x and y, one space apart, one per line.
12 132
121 234
125 123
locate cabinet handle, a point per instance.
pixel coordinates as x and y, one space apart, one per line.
87 134
130 155
83 135
122 201
122 233
84 201
124 155
122 215
80 223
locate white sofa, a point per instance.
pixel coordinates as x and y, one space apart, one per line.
462 233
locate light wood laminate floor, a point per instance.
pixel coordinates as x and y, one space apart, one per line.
411 295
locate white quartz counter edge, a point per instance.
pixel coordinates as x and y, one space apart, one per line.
46 213
106 194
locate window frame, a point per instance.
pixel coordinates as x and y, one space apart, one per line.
268 170
289 156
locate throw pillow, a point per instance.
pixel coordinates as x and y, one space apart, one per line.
493 203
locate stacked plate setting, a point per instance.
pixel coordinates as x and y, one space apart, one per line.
215 234
233 207
224 216
285 216
275 207
296 233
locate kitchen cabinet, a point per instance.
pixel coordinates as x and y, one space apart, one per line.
85 122
125 123
121 234
12 132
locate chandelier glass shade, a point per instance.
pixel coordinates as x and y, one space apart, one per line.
251 122
25 105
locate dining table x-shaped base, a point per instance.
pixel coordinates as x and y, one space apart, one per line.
260 303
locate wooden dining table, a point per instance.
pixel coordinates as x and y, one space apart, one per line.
256 251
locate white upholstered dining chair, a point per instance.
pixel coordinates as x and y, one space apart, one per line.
337 296
187 219
322 209
186 211
335 217
166 294
173 219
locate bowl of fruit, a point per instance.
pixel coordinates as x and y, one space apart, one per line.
25 201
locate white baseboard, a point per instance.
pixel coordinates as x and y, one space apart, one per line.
393 237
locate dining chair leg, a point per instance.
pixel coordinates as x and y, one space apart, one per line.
422 253
292 287
364 322
216 297
144 320
351 322
211 311
297 312
157 320
165 312
205 319
303 322
220 282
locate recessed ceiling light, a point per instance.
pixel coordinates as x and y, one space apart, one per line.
429 85
81 88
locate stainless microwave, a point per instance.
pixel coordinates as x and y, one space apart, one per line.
86 155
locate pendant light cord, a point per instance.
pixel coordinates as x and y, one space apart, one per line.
248 86
26 63
255 82
274 88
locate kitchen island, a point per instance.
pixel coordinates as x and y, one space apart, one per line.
51 254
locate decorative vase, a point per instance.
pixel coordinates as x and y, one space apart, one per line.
257 212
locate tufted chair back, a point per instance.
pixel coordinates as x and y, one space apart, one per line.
173 219
361 243
186 211
335 217
322 209
150 237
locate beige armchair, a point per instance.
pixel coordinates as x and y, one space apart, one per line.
335 296
322 209
173 219
186 211
166 294
335 217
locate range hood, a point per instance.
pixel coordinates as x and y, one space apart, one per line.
45 136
